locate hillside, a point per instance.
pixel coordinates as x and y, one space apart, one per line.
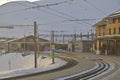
61 16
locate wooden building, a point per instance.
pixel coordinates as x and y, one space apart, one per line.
2 44
26 43
108 35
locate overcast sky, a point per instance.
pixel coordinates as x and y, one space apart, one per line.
79 9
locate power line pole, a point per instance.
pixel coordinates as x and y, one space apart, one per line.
9 64
35 40
52 46
24 46
38 46
63 38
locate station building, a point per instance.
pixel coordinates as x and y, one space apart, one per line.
26 43
80 45
107 40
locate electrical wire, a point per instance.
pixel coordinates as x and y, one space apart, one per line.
49 5
38 6
56 13
95 7
69 16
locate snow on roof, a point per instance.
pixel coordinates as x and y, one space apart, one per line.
101 23
117 11
115 14
22 38
2 40
15 39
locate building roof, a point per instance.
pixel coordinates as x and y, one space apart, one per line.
2 40
25 37
103 22
115 14
100 23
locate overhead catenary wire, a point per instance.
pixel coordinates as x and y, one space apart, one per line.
64 21
56 13
29 7
46 5
14 25
95 7
60 13
69 16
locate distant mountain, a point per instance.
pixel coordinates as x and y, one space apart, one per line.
61 15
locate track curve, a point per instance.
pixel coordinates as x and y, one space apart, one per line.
89 74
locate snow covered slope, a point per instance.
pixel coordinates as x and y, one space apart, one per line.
55 17
15 62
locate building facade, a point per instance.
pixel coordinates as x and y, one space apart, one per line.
80 45
107 40
26 43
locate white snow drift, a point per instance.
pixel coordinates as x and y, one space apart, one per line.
14 64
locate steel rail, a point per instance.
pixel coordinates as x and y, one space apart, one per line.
89 74
105 68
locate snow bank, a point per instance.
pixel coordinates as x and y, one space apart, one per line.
14 64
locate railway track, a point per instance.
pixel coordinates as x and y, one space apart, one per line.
70 63
99 69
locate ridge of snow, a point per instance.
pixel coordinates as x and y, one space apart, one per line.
25 65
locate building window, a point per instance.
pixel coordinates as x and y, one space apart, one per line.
119 20
103 27
112 20
109 31
119 30
103 33
114 30
99 34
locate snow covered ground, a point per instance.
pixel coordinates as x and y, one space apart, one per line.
14 64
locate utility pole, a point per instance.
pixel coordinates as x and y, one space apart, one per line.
63 38
38 46
9 64
81 35
56 39
52 46
88 35
75 34
24 45
35 40
92 35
